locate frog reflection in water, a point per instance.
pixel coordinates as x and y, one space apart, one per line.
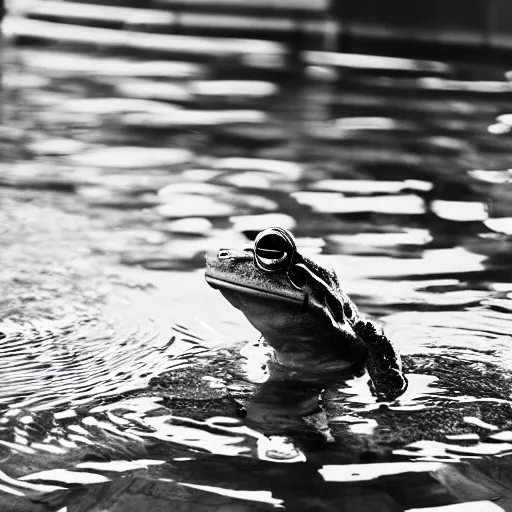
316 334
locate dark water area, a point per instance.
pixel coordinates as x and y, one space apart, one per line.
124 376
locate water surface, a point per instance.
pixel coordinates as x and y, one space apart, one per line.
394 172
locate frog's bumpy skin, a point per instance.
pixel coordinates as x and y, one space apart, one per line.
383 364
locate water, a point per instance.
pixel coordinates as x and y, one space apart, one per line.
124 374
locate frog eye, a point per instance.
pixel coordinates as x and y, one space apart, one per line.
274 249
298 276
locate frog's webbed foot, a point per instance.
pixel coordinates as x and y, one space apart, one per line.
384 365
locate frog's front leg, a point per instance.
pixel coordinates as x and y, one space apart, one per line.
383 364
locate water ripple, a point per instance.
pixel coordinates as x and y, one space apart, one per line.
118 381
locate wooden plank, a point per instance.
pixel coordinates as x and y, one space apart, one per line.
241 5
154 19
226 22
131 40
356 61
105 13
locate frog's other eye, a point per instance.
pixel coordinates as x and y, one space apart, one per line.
274 249
298 276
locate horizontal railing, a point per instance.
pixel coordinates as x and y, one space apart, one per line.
179 26
475 24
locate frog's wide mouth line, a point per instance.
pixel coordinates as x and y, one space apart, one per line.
221 283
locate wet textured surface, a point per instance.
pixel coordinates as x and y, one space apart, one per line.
122 384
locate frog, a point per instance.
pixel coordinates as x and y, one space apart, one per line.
314 329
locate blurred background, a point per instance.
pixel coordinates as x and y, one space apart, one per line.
135 136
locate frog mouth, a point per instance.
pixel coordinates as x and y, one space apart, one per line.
221 283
